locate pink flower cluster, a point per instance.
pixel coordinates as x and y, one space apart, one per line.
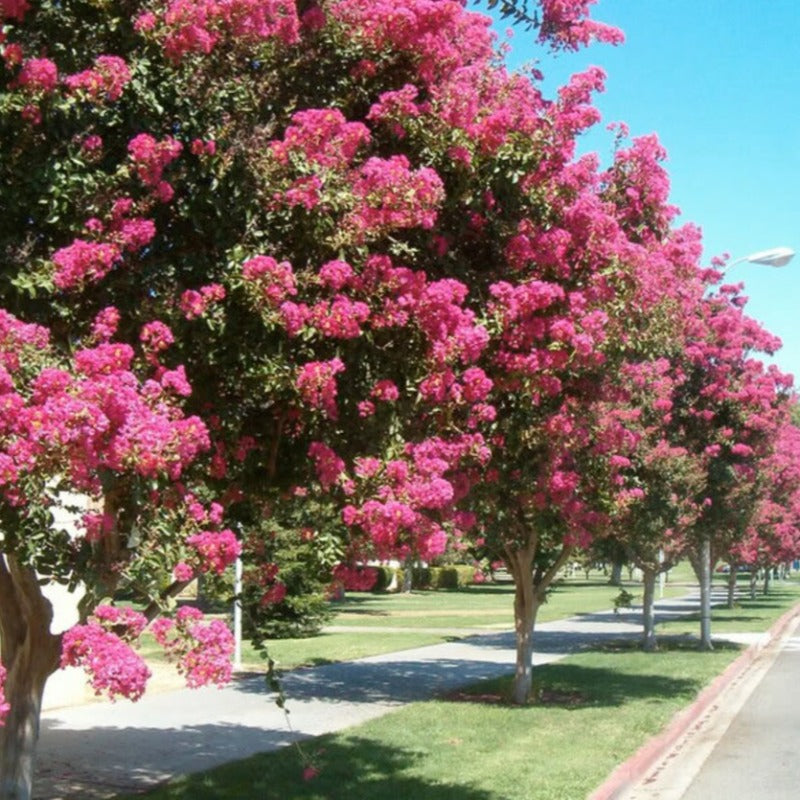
97 416
215 550
565 24
194 303
114 668
328 465
390 196
150 157
201 650
196 26
439 36
355 579
407 497
156 337
340 318
323 136
395 107
37 75
13 9
105 81
316 383
83 261
275 281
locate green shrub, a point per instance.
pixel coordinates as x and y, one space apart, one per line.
385 578
421 577
456 576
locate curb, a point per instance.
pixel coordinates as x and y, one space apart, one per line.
653 751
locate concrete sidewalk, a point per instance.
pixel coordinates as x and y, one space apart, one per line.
100 749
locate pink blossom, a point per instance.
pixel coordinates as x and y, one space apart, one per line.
275 281
183 572
106 80
176 381
392 196
199 147
12 53
316 383
215 549
146 21
83 261
328 465
385 390
38 75
336 274
355 579
340 318
112 665
156 336
4 706
195 304
92 143
13 9
150 157
323 136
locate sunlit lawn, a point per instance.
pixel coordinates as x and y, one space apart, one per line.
594 710
598 708
747 615
383 623
434 617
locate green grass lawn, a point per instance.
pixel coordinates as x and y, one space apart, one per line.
747 616
593 710
456 613
597 709
392 622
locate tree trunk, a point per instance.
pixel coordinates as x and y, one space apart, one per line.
649 643
30 654
732 585
767 576
616 573
408 574
24 688
753 580
525 608
705 595
529 594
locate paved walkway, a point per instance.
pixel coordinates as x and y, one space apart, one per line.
97 750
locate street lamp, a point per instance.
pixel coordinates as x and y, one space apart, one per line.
774 257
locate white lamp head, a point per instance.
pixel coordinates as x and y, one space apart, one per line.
776 257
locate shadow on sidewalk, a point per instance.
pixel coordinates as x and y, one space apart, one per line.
354 768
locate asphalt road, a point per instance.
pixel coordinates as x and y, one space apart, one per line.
759 754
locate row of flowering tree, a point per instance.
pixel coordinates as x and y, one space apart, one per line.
326 277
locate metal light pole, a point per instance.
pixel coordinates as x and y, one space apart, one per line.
774 257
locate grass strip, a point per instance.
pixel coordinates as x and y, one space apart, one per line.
747 616
594 710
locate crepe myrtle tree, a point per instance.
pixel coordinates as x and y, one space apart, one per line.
103 435
373 246
773 536
731 407
658 481
328 206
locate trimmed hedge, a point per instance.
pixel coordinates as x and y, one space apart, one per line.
456 576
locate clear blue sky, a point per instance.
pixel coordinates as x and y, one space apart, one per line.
719 82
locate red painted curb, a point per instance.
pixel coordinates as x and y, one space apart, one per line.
654 749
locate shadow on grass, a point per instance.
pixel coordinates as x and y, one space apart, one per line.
666 643
350 769
574 687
